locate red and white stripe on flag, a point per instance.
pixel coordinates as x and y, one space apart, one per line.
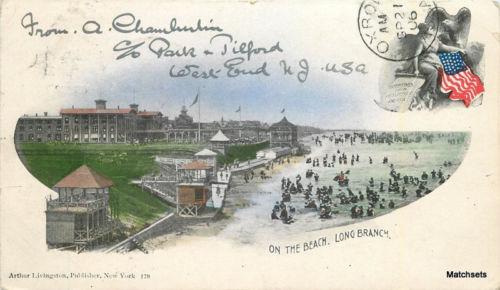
464 86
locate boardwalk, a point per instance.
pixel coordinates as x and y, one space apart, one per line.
137 239
169 197
162 188
250 165
165 187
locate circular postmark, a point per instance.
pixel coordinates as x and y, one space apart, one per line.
387 26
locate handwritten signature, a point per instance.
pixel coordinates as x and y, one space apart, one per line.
240 57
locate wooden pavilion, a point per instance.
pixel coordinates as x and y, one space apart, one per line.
219 142
193 190
79 216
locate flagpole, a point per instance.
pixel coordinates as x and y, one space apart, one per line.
199 117
240 121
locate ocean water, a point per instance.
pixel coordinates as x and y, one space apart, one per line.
253 223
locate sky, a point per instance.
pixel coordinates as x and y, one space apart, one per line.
315 102
82 68
76 69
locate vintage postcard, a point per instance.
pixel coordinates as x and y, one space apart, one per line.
249 144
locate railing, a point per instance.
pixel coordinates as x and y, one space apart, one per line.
140 236
80 236
172 161
89 205
248 165
188 179
170 178
84 236
163 193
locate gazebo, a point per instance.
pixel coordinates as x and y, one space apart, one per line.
83 184
209 157
79 216
283 134
219 142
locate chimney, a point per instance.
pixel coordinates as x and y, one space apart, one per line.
45 114
134 107
118 107
36 114
100 104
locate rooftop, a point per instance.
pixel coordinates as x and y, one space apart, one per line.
84 177
219 137
196 165
206 152
283 123
37 117
80 111
149 113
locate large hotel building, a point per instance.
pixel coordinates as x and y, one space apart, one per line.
90 125
128 125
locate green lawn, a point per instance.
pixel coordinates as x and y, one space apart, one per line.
50 162
241 152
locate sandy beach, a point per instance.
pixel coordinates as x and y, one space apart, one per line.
246 214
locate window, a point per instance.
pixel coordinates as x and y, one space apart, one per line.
66 120
39 128
21 128
198 195
94 129
21 137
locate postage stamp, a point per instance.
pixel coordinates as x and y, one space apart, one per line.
431 64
